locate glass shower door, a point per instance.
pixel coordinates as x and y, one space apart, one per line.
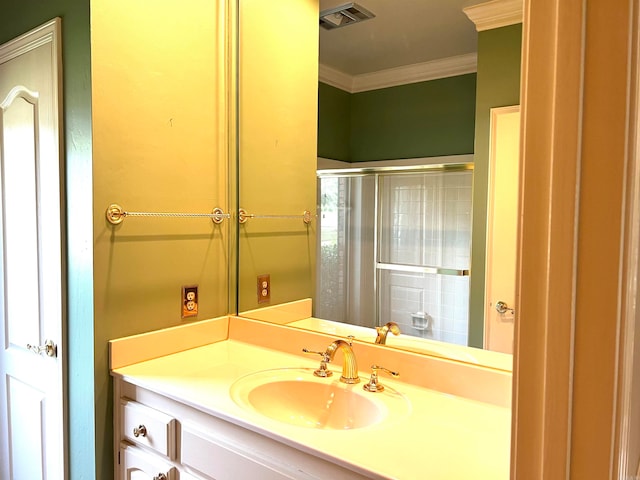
395 246
346 270
424 245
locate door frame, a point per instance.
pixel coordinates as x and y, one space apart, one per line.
573 362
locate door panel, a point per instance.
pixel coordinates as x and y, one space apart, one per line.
20 234
25 405
502 228
32 415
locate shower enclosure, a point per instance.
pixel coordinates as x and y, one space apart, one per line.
394 245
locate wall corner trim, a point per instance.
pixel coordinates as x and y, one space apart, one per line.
391 77
495 14
335 78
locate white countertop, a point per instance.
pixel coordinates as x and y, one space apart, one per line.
443 437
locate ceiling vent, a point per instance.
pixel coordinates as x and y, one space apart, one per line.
344 15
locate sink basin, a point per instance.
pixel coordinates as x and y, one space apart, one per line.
295 396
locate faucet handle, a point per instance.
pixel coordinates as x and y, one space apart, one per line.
322 370
306 350
374 385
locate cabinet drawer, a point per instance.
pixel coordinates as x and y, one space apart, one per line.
146 426
136 464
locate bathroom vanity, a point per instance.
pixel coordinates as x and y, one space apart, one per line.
209 401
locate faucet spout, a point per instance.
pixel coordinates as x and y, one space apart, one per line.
382 332
349 363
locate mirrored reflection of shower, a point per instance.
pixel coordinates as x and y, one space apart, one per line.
394 245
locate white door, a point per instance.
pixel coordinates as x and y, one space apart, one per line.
502 225
32 418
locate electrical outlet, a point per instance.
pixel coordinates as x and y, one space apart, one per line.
189 301
264 288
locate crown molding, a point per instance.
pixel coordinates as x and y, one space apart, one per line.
495 14
335 78
418 72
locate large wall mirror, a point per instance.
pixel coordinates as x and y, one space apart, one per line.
390 163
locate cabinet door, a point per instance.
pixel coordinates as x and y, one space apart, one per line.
220 459
136 464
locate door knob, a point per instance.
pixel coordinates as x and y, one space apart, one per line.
49 348
502 307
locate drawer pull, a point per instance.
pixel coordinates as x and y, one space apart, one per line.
160 476
141 430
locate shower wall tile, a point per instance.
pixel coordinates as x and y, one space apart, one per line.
444 298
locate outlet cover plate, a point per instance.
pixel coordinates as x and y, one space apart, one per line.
189 301
264 288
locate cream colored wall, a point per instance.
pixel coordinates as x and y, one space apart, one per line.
278 143
159 145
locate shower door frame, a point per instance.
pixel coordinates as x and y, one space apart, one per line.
378 266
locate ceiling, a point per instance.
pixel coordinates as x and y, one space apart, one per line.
404 32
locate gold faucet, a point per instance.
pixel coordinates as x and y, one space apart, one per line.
349 363
381 339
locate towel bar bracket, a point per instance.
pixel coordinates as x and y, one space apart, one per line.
115 214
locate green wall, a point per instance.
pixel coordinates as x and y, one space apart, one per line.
499 53
17 18
334 123
424 119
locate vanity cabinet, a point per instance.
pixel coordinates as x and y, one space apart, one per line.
162 438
